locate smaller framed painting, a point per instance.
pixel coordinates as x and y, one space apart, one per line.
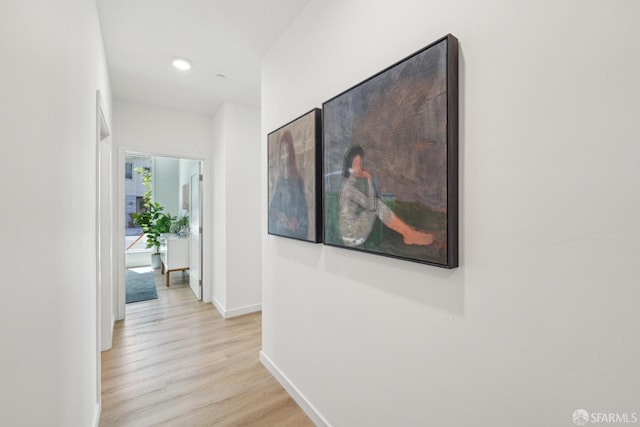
294 180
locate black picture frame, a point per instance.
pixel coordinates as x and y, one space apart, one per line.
294 178
390 160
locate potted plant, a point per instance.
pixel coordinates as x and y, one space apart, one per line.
153 221
180 226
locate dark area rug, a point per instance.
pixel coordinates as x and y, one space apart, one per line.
140 286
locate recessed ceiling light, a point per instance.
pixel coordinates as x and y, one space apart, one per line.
221 76
181 64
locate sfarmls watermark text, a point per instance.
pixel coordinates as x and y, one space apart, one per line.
581 417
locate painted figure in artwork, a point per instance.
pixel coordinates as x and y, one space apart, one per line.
288 213
360 206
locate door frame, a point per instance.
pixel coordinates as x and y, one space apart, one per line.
104 241
198 178
119 229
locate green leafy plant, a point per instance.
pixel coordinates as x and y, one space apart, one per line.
153 221
180 226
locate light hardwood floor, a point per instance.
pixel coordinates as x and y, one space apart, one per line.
177 362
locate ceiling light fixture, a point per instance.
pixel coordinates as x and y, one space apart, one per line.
221 76
181 64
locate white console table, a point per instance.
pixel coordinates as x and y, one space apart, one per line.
174 253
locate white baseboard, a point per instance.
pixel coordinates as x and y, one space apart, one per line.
243 310
96 415
293 391
218 306
235 312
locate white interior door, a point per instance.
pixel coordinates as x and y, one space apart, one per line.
195 252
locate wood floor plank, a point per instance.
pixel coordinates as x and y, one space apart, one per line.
176 362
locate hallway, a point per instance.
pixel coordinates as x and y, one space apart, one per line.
177 362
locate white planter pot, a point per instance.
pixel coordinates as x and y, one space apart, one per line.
155 261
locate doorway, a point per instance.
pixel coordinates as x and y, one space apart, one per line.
179 241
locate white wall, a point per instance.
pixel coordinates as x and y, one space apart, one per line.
162 132
244 284
53 64
542 316
219 211
237 281
166 183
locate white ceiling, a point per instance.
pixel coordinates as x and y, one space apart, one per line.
219 37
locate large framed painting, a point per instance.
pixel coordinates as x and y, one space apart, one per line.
295 198
390 160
